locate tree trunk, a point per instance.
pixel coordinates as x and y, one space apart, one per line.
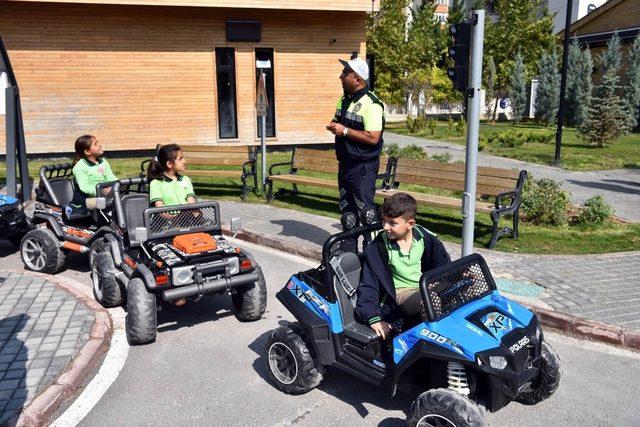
495 108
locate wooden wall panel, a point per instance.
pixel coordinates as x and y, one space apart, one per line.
138 76
353 5
625 14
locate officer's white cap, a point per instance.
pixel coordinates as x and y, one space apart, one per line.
358 65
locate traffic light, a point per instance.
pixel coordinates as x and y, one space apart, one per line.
459 53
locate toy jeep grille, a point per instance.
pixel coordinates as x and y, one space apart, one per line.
451 286
180 219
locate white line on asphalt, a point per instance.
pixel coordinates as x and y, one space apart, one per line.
113 363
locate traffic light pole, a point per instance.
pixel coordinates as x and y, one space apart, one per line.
473 129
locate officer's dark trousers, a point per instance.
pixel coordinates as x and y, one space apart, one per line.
357 183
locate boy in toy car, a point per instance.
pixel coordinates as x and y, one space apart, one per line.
389 284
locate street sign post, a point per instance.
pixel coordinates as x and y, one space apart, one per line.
262 105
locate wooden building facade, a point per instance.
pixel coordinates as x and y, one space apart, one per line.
137 73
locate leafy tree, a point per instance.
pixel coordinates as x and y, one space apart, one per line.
518 88
489 77
424 39
608 117
632 86
520 26
457 12
548 92
386 41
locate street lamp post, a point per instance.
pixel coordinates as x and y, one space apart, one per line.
563 83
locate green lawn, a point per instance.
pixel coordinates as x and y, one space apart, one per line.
446 223
575 155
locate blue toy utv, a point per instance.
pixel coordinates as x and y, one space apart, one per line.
475 350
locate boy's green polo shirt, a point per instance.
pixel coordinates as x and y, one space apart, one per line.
171 191
88 174
406 267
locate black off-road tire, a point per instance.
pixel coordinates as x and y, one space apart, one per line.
292 365
106 288
443 404
250 301
40 251
142 317
548 379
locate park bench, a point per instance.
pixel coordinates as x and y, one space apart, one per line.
314 160
217 156
503 184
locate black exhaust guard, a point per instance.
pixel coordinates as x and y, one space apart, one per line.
208 287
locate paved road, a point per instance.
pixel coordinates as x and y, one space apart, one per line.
207 368
620 188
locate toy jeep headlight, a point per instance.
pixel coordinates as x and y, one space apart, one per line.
182 275
234 266
498 362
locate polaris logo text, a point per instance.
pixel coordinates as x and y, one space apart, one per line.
517 346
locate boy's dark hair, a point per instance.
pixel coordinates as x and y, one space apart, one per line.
158 165
82 144
399 205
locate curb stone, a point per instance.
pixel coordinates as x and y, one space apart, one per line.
568 324
46 403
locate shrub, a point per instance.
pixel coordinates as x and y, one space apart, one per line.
432 124
461 127
416 124
516 138
594 211
482 142
391 150
412 152
450 127
441 157
540 138
544 202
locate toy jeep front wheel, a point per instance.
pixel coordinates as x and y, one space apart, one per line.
443 407
250 301
106 288
142 316
40 251
548 379
291 364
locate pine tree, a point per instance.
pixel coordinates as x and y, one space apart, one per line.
548 92
608 117
586 86
457 12
572 97
489 86
632 86
518 88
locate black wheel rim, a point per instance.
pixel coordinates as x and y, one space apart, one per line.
283 363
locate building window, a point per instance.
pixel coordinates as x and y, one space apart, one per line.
226 84
264 59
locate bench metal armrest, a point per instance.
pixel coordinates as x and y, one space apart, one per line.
501 207
252 169
290 164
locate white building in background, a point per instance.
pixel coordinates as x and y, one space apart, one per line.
579 9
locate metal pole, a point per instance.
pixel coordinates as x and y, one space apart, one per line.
12 138
563 82
263 144
473 129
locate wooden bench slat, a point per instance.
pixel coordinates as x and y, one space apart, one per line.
214 161
435 200
311 152
455 167
305 180
213 149
214 173
403 175
453 185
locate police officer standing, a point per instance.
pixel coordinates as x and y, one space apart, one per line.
358 126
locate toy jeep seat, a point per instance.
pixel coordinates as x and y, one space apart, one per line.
349 264
133 207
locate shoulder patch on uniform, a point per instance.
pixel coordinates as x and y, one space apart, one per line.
357 107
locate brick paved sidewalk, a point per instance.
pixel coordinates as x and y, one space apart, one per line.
620 188
598 287
42 328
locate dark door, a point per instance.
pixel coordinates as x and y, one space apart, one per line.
266 55
226 82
